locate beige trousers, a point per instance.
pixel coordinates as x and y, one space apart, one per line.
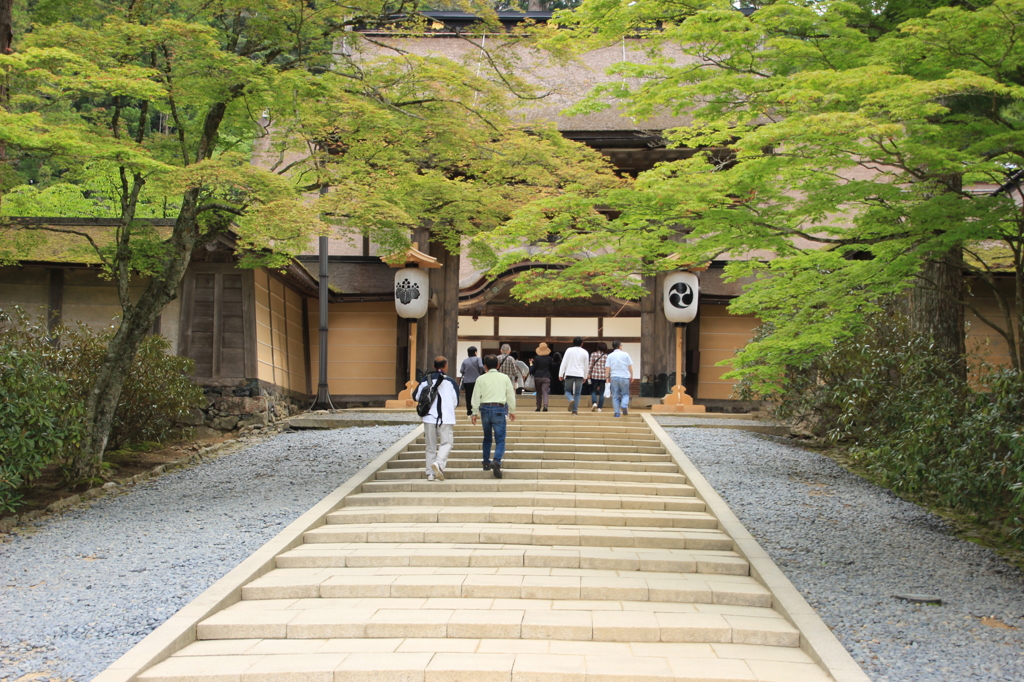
439 444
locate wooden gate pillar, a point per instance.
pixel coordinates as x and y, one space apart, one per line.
442 335
657 334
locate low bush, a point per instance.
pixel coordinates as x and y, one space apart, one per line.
43 383
40 417
157 392
899 407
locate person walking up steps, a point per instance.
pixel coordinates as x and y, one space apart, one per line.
472 368
439 423
620 369
598 376
507 364
493 398
542 366
574 370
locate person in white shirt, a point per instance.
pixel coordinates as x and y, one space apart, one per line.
574 369
620 373
439 423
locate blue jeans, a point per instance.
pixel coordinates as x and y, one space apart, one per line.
597 394
620 394
493 418
573 387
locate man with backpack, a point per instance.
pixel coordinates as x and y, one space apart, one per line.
437 397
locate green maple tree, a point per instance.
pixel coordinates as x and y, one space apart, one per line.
838 146
132 109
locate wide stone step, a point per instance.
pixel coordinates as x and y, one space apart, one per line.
518 462
524 482
476 453
522 534
469 444
616 429
469 660
321 618
408 558
561 435
545 494
341 583
522 472
560 439
525 515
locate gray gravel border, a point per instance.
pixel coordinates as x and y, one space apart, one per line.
849 546
79 589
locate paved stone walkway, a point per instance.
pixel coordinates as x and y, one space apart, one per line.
592 560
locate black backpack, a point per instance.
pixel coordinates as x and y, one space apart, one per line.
427 398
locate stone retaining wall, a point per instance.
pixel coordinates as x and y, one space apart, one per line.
245 405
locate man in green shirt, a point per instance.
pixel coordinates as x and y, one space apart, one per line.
494 396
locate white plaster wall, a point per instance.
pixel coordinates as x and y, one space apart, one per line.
522 326
621 327
483 326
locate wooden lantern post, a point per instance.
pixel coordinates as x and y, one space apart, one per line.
681 295
411 262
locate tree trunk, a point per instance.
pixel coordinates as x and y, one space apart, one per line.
536 6
6 26
136 323
6 47
935 309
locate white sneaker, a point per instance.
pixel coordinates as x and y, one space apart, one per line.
438 471
430 477
599 409
593 408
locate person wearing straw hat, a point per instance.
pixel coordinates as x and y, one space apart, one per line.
541 370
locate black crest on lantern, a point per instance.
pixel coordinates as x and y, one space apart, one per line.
406 291
680 295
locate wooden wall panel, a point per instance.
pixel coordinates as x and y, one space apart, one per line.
361 348
26 287
217 321
264 336
280 343
721 335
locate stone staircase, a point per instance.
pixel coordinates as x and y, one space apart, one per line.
592 560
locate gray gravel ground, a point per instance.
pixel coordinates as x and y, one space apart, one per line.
848 546
709 421
85 586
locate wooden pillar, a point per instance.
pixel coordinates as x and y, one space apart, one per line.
424 358
656 332
442 335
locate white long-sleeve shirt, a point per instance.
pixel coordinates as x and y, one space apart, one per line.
447 394
575 363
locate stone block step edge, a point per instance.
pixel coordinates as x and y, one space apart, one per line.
180 629
816 639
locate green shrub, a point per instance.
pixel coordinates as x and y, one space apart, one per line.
157 395
44 383
40 418
898 405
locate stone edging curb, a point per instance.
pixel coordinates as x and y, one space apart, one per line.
816 640
179 630
11 522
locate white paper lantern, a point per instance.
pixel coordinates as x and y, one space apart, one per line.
412 292
681 292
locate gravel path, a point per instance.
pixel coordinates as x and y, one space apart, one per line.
85 586
848 546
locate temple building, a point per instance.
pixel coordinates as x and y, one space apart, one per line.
255 332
